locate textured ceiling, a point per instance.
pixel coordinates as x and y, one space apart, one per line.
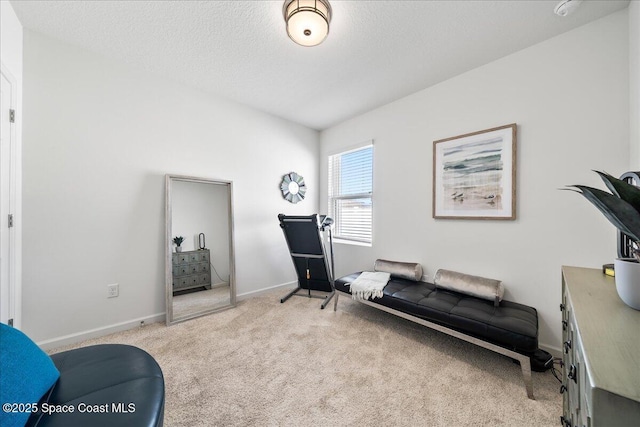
376 51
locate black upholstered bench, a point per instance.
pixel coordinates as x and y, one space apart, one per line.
510 328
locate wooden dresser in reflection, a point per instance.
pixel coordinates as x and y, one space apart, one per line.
191 270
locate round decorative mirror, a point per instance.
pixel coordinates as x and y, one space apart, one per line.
293 187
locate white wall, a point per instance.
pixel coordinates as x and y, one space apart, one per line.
11 40
569 97
11 59
98 139
203 208
634 83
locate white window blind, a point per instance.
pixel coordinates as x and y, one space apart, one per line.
350 194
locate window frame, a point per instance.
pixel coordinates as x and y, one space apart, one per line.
332 199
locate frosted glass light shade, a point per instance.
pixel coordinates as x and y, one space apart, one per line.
307 21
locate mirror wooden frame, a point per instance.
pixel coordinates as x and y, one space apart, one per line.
169 179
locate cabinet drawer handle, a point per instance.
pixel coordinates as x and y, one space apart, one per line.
562 307
564 325
573 373
563 388
567 346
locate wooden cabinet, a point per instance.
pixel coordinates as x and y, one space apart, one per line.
601 352
191 270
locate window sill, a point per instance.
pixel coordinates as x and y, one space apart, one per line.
351 242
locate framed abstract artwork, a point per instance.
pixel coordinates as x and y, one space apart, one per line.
474 175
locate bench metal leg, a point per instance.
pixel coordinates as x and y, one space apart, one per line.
525 364
335 302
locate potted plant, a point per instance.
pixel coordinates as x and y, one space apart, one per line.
178 241
622 208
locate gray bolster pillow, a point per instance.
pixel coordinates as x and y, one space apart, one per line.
403 270
480 287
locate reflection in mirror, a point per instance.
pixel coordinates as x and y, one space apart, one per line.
294 188
200 270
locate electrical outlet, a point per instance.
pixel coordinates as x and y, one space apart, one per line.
113 290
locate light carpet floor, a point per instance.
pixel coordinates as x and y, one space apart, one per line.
199 301
269 364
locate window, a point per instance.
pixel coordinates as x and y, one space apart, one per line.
350 194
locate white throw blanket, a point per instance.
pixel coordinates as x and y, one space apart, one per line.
369 284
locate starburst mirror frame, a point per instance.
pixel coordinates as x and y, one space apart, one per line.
293 187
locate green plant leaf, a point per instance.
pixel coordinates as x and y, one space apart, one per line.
619 212
627 192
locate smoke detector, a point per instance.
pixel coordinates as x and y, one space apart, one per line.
566 7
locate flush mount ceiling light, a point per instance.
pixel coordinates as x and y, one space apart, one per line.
566 7
307 20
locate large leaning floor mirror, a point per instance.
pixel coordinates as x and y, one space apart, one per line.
200 276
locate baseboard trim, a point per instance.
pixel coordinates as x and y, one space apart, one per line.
70 339
259 292
100 332
161 317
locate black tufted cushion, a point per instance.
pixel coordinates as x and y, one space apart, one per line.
510 325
